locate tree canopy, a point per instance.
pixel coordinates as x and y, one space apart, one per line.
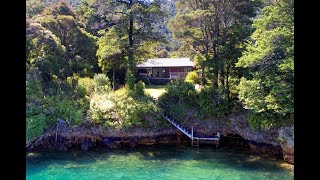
270 58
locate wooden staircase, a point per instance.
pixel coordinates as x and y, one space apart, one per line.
183 130
195 141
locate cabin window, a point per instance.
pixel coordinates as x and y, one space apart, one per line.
160 73
187 69
145 72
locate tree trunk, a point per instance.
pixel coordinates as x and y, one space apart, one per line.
203 65
227 84
216 68
202 76
131 64
215 44
222 74
113 79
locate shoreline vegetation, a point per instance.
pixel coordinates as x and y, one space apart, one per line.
83 92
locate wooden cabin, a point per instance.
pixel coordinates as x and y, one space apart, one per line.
165 68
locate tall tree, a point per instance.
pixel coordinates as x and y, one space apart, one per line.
136 18
33 7
206 26
93 16
270 58
45 52
80 45
111 52
190 25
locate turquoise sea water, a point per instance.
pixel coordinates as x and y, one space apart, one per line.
154 163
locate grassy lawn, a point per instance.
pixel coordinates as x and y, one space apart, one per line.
155 90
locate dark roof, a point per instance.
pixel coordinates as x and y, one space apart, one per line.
167 62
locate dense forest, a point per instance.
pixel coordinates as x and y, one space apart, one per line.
81 58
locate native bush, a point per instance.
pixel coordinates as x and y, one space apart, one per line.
192 77
35 126
86 84
268 120
102 108
180 97
34 90
101 83
139 88
212 102
179 92
119 109
180 112
61 99
143 79
66 108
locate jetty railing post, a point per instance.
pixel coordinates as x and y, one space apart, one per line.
192 132
192 136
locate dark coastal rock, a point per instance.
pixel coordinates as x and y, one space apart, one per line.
259 142
286 136
115 145
111 142
234 129
262 148
107 141
63 147
234 141
86 145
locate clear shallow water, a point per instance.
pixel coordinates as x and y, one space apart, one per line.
154 163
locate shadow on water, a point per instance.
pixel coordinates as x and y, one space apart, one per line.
71 159
210 157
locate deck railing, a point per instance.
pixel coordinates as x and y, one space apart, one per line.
175 75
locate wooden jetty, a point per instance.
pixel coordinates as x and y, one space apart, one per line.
195 141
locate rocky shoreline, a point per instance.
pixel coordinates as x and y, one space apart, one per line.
234 132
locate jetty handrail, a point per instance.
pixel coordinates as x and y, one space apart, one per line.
178 126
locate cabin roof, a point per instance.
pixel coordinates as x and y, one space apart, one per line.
167 62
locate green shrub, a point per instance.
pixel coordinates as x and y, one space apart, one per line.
101 83
267 120
130 80
86 84
35 126
144 79
139 88
179 92
57 86
34 90
102 108
212 102
66 108
192 77
179 112
179 99
119 109
73 80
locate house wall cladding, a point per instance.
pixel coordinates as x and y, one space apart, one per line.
176 69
